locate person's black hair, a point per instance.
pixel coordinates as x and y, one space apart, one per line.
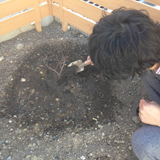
125 43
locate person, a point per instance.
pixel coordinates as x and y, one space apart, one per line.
123 44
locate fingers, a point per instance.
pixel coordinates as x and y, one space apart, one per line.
143 103
88 58
88 61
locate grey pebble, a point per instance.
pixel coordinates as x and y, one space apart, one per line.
136 119
100 126
31 138
108 142
75 33
54 137
31 102
130 148
19 46
9 158
3 141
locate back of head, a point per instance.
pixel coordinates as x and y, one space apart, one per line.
124 43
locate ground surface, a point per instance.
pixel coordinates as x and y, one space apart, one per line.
44 116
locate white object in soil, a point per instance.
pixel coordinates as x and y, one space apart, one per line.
23 80
1 58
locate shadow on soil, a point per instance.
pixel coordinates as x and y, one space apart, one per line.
75 102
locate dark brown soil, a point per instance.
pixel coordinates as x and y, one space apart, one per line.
71 116
54 101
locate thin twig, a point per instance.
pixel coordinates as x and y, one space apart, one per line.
52 69
61 64
62 68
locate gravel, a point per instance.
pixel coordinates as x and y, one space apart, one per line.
106 141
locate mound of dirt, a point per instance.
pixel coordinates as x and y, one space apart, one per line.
48 111
38 94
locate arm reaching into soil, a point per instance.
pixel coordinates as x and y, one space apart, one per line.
88 61
149 112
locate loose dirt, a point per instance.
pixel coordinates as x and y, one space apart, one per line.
48 111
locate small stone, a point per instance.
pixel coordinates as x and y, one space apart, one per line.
31 102
75 33
118 126
95 120
136 119
83 157
130 148
4 141
31 138
100 126
54 137
67 87
19 46
1 58
23 80
57 99
10 121
69 105
30 145
11 129
28 156
9 158
35 158
115 141
90 154
32 91
108 142
34 144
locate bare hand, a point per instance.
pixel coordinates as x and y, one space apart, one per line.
149 112
88 61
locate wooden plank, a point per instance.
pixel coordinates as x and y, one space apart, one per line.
38 16
78 22
50 7
61 8
56 1
156 2
154 13
41 1
84 9
13 6
16 22
55 10
44 12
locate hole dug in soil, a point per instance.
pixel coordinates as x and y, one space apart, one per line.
34 96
